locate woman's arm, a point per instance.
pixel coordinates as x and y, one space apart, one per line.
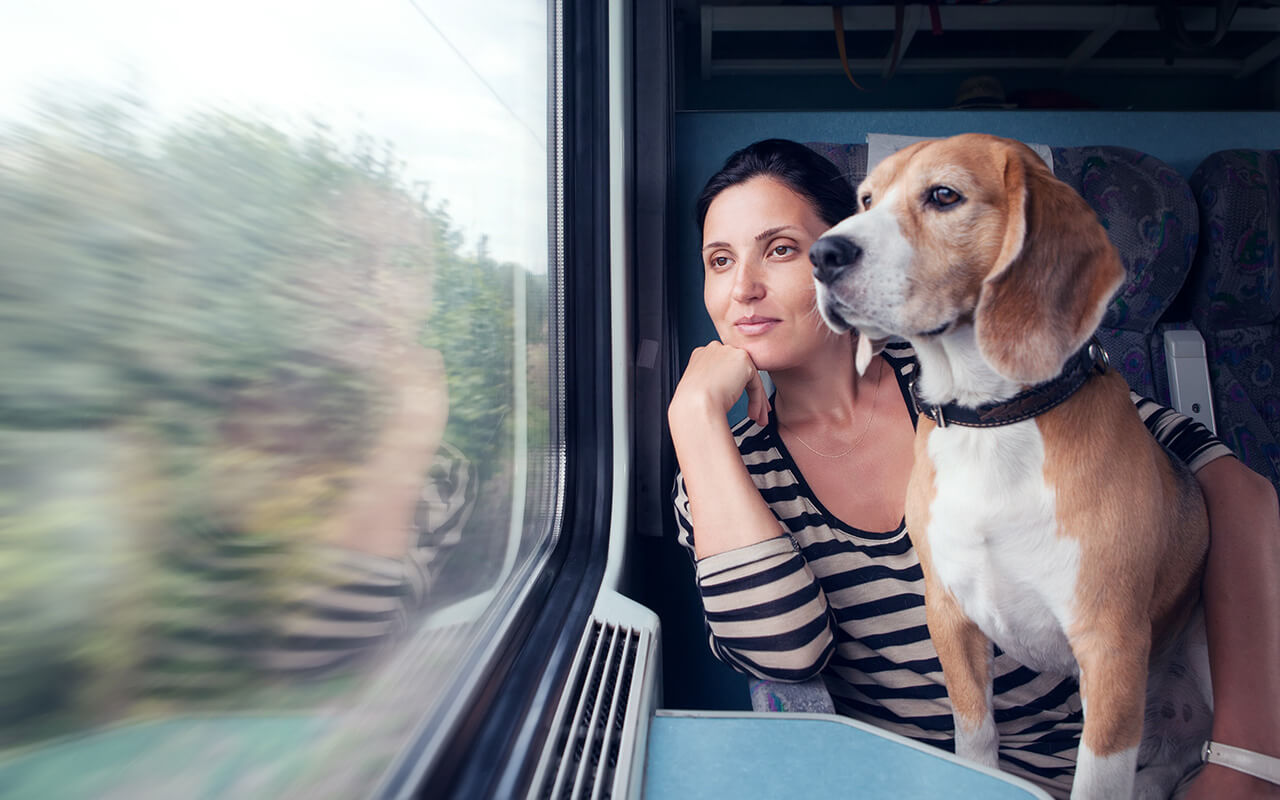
765 612
1242 619
724 505
1241 591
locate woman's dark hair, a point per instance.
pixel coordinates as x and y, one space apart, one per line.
803 171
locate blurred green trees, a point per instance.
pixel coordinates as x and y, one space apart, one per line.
195 327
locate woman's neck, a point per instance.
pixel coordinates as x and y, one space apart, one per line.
826 390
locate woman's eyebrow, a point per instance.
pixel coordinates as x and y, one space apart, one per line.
772 232
760 237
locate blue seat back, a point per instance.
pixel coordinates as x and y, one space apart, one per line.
1234 299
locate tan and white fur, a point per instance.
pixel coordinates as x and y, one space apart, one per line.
1069 539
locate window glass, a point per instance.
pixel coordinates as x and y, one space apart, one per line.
276 406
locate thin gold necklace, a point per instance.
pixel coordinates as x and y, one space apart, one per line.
875 398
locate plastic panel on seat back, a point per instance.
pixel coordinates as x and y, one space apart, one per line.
1235 299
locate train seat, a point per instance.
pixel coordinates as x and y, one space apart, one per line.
1233 293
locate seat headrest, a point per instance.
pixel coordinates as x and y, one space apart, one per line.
851 159
1150 216
1234 284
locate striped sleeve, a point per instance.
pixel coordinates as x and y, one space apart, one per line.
357 601
1186 439
351 603
765 612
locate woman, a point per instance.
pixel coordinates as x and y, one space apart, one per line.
803 560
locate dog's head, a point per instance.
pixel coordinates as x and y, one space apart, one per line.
971 230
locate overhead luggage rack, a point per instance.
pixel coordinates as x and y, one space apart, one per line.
739 40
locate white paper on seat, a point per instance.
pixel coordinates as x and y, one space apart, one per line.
882 145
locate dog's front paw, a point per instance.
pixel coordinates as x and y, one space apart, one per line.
980 743
1155 783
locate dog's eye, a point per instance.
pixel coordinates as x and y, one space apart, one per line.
944 196
866 201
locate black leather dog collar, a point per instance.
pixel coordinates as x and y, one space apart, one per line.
1024 405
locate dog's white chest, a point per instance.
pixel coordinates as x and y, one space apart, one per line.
995 544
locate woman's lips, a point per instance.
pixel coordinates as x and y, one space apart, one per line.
754 326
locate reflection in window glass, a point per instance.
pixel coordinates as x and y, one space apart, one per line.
275 417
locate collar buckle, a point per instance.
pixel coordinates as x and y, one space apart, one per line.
1098 353
924 409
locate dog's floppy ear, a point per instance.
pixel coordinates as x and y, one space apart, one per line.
1052 281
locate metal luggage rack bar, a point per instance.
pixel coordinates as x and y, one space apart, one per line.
1096 24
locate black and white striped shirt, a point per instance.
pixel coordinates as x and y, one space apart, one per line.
824 597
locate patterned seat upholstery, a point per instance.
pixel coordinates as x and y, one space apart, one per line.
1235 301
1150 215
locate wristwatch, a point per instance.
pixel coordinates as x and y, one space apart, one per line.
1247 761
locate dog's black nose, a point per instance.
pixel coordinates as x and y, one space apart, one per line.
831 255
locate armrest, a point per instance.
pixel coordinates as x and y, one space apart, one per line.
1189 387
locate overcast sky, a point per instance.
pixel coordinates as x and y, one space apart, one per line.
372 66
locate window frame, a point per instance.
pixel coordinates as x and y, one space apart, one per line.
491 749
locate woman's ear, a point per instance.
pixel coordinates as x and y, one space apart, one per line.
1050 285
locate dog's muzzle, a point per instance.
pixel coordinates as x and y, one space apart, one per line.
831 256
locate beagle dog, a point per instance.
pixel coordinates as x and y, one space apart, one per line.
1046 517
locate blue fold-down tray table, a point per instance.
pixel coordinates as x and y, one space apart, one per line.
748 755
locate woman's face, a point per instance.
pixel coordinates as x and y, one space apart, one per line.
757 279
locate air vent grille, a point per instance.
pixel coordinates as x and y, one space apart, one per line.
594 719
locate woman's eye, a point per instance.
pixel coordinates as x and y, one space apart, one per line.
866 201
719 262
783 250
944 196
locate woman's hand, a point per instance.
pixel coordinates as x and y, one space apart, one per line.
713 381
724 504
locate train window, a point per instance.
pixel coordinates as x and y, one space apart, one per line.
278 416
